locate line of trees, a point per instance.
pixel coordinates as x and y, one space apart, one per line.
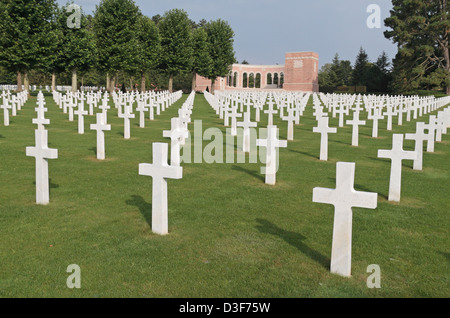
420 29
375 77
116 43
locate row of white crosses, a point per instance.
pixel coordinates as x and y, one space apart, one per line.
13 102
42 153
344 197
160 170
379 107
228 104
435 129
145 102
179 132
346 103
127 100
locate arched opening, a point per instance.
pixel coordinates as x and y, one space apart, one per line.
269 78
258 80
275 79
230 79
251 80
244 80
281 79
235 79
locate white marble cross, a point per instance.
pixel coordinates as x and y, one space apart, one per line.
441 127
141 109
420 136
319 112
71 106
184 116
389 113
344 197
324 130
13 106
234 115
5 107
246 125
177 135
151 106
377 115
258 107
271 143
341 113
400 111
104 107
81 113
42 153
226 117
41 120
90 102
126 115
290 118
355 122
270 112
159 170
397 155
65 103
100 127
248 103
431 127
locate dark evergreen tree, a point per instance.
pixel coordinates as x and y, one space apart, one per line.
360 68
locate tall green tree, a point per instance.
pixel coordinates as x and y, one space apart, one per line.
115 24
176 44
78 49
383 63
221 49
360 68
336 73
149 47
26 34
202 62
420 29
325 76
341 71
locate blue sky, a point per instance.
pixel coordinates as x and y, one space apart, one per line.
266 29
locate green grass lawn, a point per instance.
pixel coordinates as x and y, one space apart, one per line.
230 234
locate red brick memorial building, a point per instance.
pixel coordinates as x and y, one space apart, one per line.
299 73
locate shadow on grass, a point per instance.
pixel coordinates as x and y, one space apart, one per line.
2 137
365 134
294 239
144 207
446 255
304 153
51 185
340 142
93 149
380 159
250 172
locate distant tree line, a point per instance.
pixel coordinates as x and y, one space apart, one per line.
116 45
420 29
375 77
